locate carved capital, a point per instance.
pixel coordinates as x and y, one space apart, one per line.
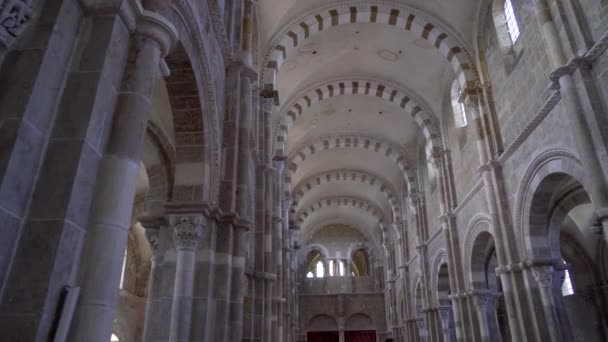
187 230
600 215
14 16
543 276
483 301
153 236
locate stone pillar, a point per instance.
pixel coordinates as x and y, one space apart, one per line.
115 189
543 275
498 207
481 304
423 333
244 201
153 235
187 231
238 284
341 334
447 320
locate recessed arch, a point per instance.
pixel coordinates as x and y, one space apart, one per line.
350 175
359 321
422 25
392 93
191 87
341 141
548 169
478 236
322 322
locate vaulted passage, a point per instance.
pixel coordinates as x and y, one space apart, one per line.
304 170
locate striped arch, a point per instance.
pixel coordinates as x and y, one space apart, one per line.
415 21
392 151
343 175
399 96
307 234
340 201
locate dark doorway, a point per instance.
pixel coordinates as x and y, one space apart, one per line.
360 336
323 336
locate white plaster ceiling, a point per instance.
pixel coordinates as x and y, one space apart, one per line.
347 189
356 113
350 158
459 14
377 52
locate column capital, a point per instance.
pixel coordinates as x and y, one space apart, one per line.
482 301
187 230
543 275
154 26
600 215
153 236
14 16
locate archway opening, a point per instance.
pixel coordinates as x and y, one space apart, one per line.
489 298
560 226
360 263
445 304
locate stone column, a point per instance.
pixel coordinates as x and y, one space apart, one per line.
423 334
341 334
187 231
153 235
447 319
238 284
543 275
481 304
498 207
115 189
243 202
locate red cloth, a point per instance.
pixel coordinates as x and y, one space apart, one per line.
323 336
360 336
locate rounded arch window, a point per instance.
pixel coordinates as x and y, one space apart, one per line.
320 269
460 114
114 338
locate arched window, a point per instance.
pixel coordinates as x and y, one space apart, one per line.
310 275
320 268
341 268
331 268
114 338
460 114
567 289
507 32
511 21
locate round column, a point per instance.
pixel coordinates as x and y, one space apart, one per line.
153 236
187 231
481 304
113 200
543 275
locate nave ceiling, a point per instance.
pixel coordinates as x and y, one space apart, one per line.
360 86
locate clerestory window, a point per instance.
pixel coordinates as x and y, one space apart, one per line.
511 21
567 289
320 270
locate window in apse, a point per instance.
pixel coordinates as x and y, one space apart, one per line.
511 21
320 270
